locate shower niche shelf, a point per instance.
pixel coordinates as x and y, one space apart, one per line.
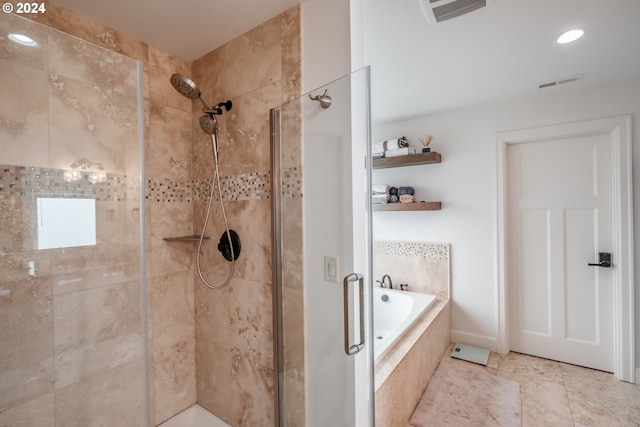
192 238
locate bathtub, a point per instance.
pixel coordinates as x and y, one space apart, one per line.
393 317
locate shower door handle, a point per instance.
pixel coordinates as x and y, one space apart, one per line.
351 349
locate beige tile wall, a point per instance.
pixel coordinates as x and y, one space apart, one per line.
258 70
234 343
423 266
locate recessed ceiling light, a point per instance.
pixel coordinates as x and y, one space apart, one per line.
570 36
23 40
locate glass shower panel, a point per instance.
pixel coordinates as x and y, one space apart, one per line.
72 342
321 236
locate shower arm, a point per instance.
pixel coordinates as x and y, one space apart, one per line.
208 109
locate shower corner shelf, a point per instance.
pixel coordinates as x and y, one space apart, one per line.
192 238
417 206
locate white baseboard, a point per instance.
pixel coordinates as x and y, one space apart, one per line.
637 375
490 343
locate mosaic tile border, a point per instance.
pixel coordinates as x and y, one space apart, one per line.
168 190
33 182
292 182
413 249
249 186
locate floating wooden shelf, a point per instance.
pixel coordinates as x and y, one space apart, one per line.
407 160
184 238
418 206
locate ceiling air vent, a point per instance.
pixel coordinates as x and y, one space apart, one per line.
559 82
441 10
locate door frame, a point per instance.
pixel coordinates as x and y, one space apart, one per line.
622 217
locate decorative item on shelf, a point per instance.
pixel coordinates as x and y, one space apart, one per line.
387 194
425 142
380 194
400 152
390 147
393 195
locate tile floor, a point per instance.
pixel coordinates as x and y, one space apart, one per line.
557 394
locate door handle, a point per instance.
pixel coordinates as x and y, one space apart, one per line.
351 349
604 260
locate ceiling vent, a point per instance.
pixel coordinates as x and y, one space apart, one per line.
559 82
441 10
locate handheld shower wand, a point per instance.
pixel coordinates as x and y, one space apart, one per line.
230 248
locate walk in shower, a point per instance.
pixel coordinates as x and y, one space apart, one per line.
73 336
84 255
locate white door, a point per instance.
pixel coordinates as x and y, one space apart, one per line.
559 217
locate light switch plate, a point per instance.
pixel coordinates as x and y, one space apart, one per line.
331 269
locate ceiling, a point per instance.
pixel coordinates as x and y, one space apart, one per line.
499 52
186 28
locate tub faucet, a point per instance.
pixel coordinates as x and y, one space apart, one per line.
383 281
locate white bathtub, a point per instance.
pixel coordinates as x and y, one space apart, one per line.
393 317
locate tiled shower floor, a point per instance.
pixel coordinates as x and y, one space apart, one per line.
195 416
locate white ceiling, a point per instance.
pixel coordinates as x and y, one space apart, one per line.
499 52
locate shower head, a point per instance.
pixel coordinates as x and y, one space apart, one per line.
188 89
185 86
208 124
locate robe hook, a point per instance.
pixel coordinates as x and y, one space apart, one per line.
324 99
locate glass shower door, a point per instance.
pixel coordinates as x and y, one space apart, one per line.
73 338
322 256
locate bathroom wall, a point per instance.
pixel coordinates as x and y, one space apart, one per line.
466 184
257 71
234 334
71 345
169 211
425 267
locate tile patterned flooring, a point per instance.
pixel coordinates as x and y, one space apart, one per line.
557 394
